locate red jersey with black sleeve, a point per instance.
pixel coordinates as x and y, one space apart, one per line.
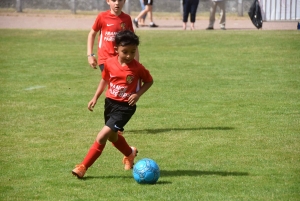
109 24
124 80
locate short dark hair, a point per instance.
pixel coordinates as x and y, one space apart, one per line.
126 37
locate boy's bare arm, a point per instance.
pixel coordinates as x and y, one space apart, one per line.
101 87
90 46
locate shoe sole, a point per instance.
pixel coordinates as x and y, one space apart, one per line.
75 174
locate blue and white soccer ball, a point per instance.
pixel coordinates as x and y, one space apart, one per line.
146 171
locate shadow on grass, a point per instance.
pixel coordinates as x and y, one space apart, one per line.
107 177
159 182
163 182
178 173
174 173
155 131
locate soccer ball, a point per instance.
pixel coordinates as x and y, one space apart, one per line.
146 171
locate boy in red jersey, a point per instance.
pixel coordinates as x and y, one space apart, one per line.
122 74
108 23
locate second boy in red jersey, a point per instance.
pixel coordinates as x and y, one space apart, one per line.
108 24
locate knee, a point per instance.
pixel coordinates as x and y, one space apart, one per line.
113 137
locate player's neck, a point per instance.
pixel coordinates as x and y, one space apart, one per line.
122 63
114 13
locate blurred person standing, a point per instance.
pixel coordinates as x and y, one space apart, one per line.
148 10
189 8
221 5
142 19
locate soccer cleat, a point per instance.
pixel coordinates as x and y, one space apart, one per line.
209 28
135 23
79 171
223 28
128 161
153 25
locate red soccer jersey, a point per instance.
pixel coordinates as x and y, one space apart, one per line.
124 80
108 25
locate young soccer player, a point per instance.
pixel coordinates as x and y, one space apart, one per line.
108 23
123 75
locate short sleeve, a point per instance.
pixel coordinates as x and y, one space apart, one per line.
98 23
105 73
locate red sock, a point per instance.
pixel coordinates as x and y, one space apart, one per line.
94 152
122 146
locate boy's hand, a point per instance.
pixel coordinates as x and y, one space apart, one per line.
92 104
133 99
92 61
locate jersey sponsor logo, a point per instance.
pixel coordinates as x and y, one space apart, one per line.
129 79
109 36
118 91
109 25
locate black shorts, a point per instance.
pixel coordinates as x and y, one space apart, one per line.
117 114
148 2
101 67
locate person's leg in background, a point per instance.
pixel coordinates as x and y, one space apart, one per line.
194 7
221 5
212 15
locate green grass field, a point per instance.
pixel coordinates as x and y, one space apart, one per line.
222 119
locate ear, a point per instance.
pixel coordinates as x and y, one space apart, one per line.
107 1
116 49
